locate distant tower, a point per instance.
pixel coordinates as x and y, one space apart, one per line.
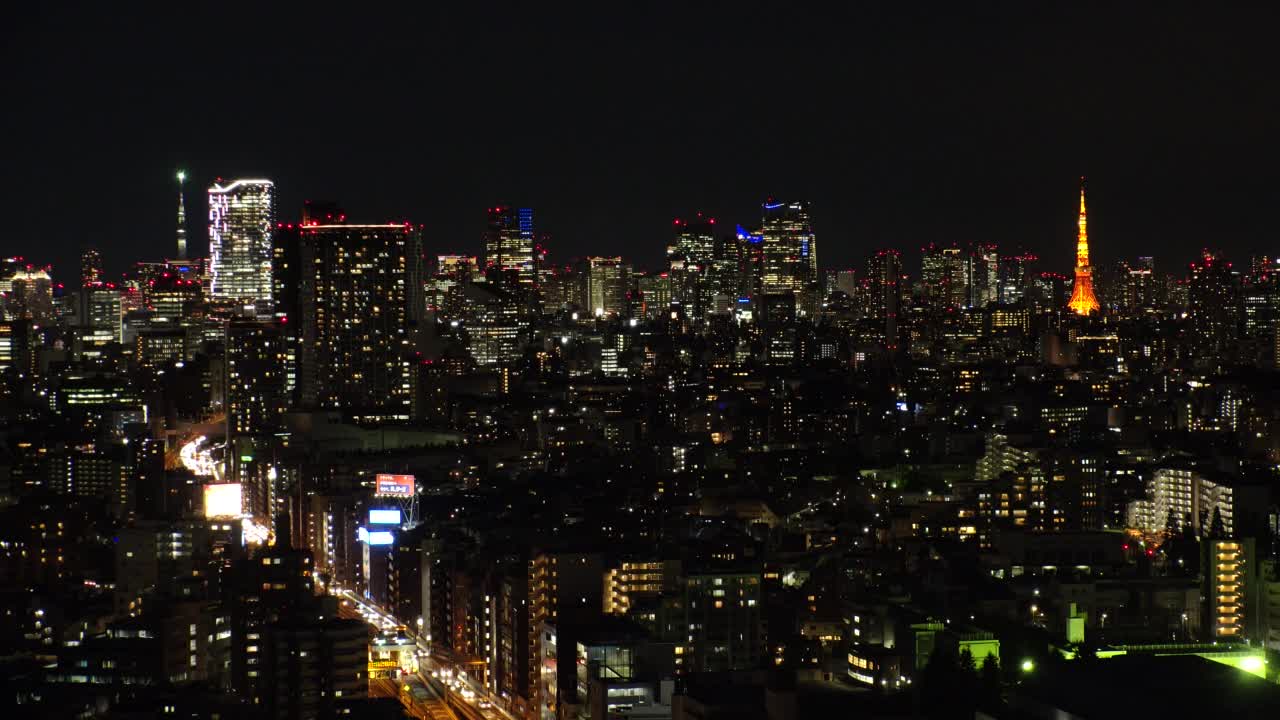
182 218
509 241
1082 300
90 267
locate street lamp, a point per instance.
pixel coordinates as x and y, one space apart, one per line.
1028 665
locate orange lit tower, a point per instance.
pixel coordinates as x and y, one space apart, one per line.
1082 300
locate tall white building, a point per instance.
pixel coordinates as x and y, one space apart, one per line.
241 217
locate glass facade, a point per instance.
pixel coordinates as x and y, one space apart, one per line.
241 217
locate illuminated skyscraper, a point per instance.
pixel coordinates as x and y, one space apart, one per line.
508 242
607 281
984 276
789 247
90 267
100 315
1082 300
1138 292
944 274
31 295
690 258
242 215
182 217
1015 273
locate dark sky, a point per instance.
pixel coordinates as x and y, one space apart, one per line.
902 124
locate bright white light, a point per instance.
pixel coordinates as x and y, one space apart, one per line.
223 500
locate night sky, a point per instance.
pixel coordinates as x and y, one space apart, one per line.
901 124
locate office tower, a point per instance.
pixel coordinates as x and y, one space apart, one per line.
356 296
182 217
847 282
100 314
984 278
655 292
90 267
242 215
508 242
31 295
689 259
607 282
945 276
789 248
1016 272
1138 292
1214 309
694 240
446 289
884 292
492 314
1082 300
173 298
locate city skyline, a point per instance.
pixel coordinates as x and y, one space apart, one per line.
511 362
652 257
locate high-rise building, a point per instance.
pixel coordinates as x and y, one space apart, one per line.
884 293
357 294
255 384
100 313
242 216
492 313
1261 301
90 267
690 259
945 276
1015 277
508 242
31 295
1139 285
1082 300
789 248
607 281
1214 309
446 289
984 276
255 376
182 217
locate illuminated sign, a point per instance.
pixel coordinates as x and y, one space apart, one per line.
384 517
376 537
383 664
394 486
223 501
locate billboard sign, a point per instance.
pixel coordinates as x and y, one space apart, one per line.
223 500
375 537
384 517
394 486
